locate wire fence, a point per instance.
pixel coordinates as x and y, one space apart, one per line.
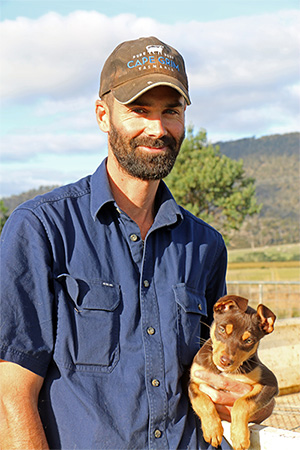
282 297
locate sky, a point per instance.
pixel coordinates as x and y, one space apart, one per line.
242 60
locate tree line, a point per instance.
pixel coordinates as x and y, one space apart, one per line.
252 200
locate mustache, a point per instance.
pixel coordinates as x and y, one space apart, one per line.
164 141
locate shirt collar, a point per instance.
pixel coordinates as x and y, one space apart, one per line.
100 190
168 212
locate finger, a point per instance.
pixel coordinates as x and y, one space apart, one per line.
221 397
219 381
224 412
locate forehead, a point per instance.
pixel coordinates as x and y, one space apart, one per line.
239 322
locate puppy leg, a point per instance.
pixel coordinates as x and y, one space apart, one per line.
241 413
239 430
205 409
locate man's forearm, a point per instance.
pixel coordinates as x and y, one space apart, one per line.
21 427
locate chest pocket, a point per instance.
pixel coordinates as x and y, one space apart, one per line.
191 306
88 324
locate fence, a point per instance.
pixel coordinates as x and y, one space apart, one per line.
282 297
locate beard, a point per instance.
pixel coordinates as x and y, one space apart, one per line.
141 164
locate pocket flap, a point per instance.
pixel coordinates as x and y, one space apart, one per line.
92 294
190 300
102 295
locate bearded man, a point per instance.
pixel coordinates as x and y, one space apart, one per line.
108 283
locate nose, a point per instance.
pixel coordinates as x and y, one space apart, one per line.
155 128
226 361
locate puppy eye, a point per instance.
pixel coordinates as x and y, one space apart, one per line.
221 329
249 341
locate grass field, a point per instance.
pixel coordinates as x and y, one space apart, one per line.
269 264
264 271
276 253
274 263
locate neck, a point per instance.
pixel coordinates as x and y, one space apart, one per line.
134 196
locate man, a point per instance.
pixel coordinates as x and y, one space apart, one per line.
108 283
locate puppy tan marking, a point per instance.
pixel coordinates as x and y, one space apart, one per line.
246 335
231 352
229 328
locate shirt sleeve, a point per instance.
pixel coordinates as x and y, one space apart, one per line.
26 306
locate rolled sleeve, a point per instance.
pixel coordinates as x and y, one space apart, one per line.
26 331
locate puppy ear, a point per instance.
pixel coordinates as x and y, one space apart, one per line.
229 302
266 318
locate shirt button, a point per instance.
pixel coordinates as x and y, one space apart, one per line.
200 307
155 383
150 331
133 237
157 434
146 283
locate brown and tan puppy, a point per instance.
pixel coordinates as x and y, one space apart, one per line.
231 351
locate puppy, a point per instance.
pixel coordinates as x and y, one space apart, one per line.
231 351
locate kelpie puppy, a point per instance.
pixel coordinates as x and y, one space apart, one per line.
231 351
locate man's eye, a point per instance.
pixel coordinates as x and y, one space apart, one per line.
172 112
139 111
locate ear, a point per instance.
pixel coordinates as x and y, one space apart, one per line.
102 115
267 318
229 302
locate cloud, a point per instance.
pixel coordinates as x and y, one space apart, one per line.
20 180
61 56
31 179
243 74
27 147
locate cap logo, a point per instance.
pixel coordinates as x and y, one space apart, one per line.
155 49
155 58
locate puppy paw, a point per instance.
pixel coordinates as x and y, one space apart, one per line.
213 432
240 439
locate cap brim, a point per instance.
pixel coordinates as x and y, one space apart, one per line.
130 91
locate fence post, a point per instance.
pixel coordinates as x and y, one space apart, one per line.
261 294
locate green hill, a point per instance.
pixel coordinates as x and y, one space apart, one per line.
275 164
274 145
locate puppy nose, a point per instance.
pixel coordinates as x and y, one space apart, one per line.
226 361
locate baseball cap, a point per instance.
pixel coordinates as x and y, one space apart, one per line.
136 66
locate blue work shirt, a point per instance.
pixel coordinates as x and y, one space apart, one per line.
110 321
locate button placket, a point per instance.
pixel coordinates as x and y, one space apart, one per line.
154 355
131 233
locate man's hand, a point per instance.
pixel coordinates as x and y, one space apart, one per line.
224 391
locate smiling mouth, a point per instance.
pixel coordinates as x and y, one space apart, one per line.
153 149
